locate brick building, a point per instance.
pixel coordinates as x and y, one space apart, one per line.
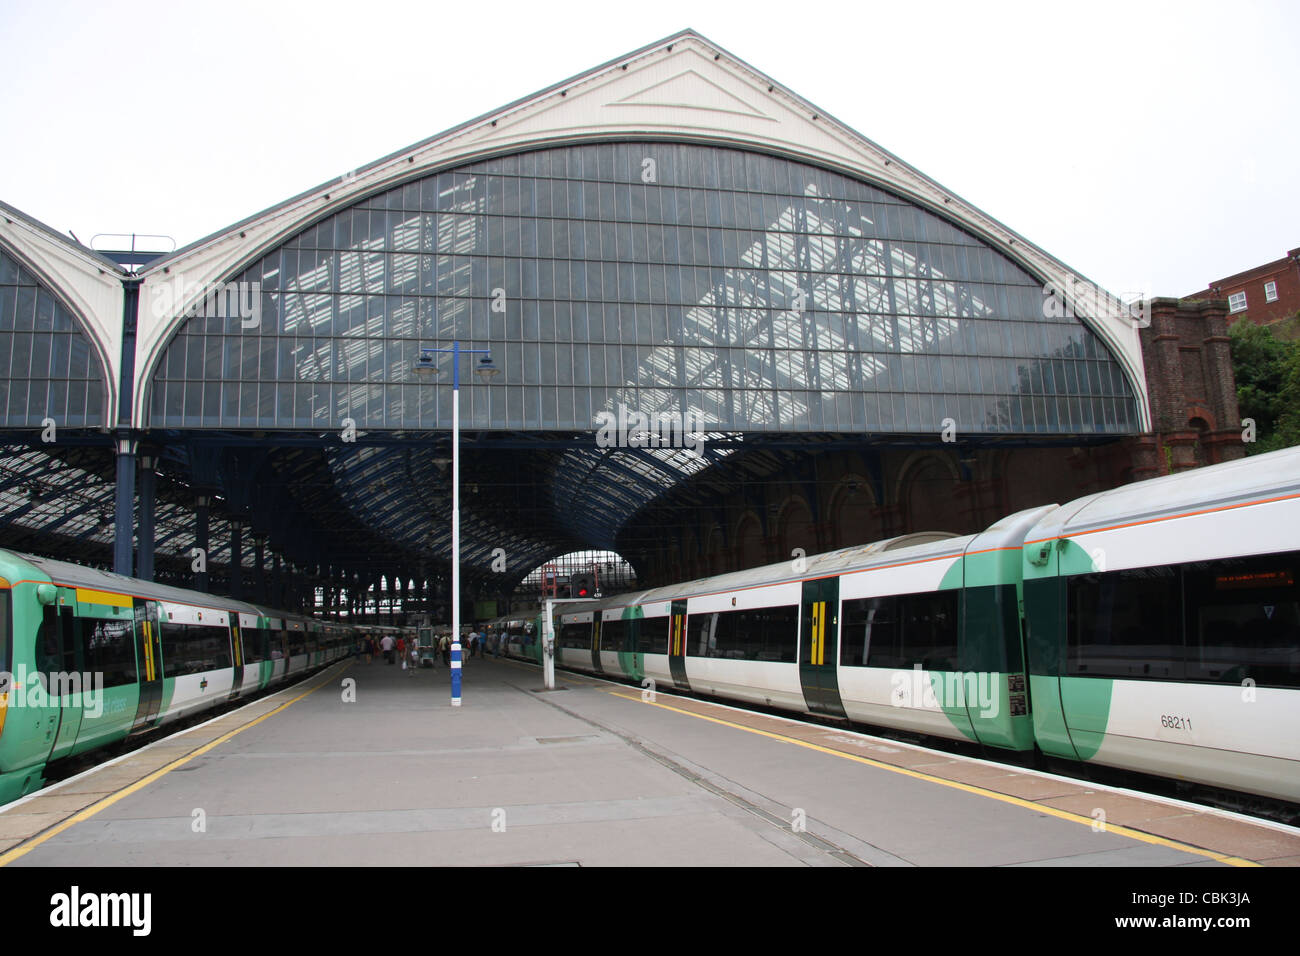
1264 294
1194 415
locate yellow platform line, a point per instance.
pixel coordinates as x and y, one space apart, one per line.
104 803
968 788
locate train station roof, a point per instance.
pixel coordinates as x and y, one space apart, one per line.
688 275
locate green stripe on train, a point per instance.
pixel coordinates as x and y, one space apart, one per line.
1070 714
116 714
990 655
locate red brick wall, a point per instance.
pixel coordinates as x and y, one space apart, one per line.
1284 272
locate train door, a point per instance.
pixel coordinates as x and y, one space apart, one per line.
595 643
819 646
59 668
237 621
677 646
148 654
629 656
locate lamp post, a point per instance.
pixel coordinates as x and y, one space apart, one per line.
426 368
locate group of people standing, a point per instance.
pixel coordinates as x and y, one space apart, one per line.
395 649
481 643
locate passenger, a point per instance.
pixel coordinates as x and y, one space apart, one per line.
413 652
444 645
387 645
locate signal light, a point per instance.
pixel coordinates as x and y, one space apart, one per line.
582 586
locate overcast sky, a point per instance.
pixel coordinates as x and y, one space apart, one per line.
1150 146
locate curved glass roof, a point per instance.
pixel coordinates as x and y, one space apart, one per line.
753 293
48 368
746 298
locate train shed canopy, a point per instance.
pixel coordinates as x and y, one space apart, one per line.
690 278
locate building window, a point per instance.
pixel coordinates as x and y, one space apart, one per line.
1237 302
1270 291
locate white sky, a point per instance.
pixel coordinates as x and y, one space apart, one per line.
1150 146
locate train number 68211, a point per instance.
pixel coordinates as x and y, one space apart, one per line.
1177 723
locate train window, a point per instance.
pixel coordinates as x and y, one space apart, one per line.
613 635
1126 624
56 644
108 648
756 634
49 656
701 635
652 635
256 644
1243 620
930 629
576 635
864 622
991 629
901 630
774 633
194 648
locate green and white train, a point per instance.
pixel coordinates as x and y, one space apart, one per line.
1153 628
90 658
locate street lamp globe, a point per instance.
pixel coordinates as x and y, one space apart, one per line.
426 366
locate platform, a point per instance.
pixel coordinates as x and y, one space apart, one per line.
590 774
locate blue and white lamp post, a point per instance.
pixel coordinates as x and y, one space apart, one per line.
426 367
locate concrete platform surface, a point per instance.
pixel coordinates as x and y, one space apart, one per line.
365 765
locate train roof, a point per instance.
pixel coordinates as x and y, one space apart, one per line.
1006 532
64 572
924 543
1272 475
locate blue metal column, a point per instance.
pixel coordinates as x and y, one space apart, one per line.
124 508
148 485
456 665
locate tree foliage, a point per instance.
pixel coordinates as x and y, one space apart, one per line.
1268 385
